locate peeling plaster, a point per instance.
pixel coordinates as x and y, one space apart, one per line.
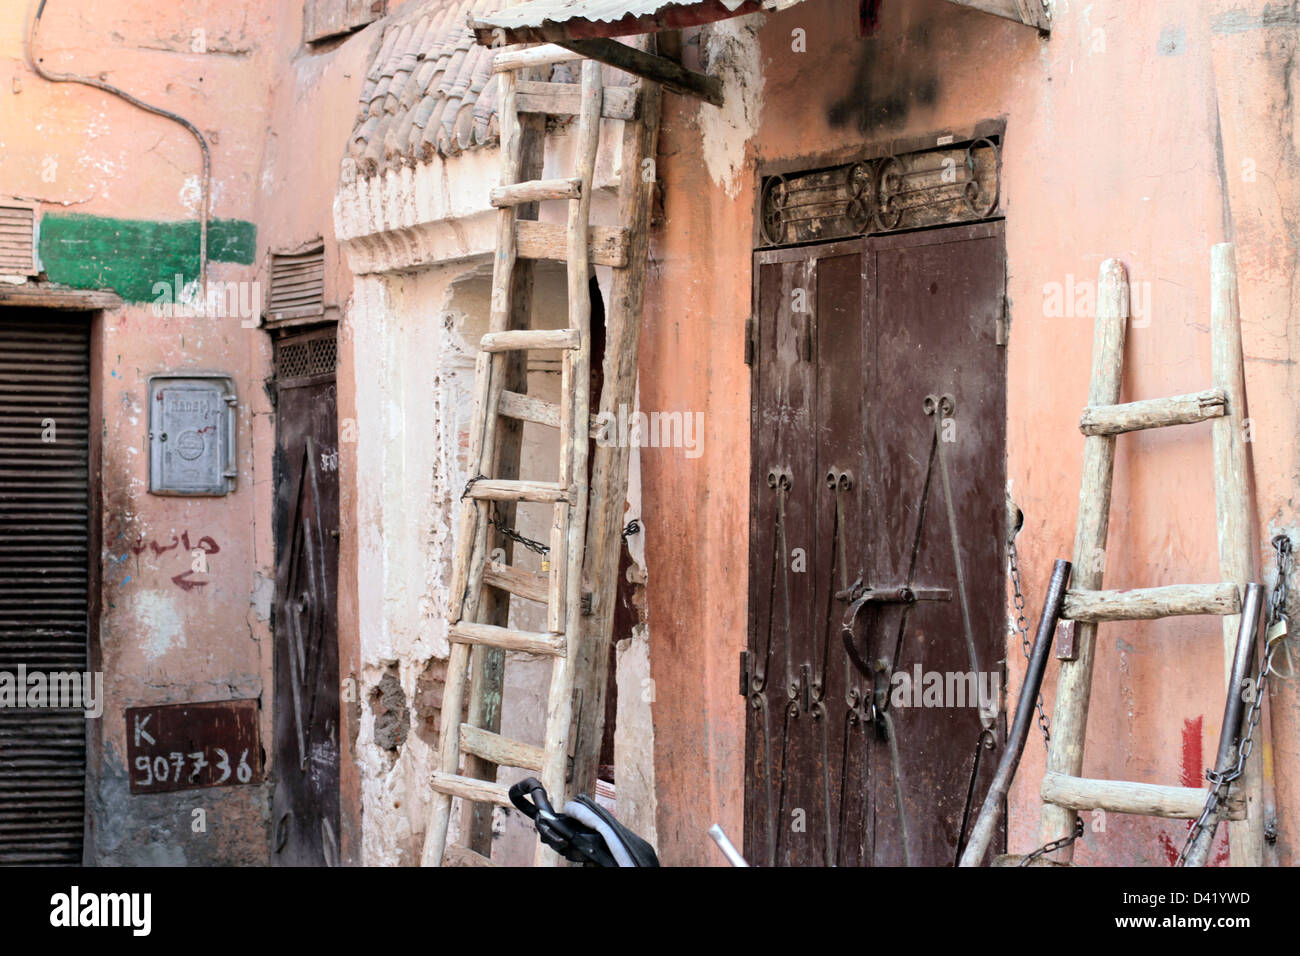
159 621
731 50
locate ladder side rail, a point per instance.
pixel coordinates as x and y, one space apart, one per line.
472 540
577 368
1233 512
610 460
1070 714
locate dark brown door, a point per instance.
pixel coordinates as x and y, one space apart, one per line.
876 371
306 803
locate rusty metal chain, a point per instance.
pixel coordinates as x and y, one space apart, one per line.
1022 627
503 529
1221 782
1055 844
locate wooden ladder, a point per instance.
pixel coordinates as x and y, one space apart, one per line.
1064 790
501 402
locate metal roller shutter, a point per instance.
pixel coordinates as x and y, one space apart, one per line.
44 577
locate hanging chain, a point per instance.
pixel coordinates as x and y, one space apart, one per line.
506 532
1221 782
1055 844
1022 627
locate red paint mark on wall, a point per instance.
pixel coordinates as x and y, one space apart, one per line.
1193 765
868 17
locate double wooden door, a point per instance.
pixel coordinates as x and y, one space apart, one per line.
878 470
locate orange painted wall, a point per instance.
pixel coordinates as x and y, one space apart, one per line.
1146 131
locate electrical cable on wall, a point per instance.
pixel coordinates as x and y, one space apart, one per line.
206 190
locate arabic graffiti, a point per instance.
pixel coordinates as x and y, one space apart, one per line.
198 552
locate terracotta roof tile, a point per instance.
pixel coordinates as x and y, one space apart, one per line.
430 90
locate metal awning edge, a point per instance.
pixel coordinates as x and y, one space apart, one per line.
551 21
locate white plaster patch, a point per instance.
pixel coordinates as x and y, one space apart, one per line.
634 736
263 595
732 53
191 193
159 622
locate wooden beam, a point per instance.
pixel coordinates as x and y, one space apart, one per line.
1122 796
519 59
1149 604
1154 413
670 75
31 295
547 240
1029 12
527 642
565 99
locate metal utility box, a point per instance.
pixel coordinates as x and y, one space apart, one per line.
191 434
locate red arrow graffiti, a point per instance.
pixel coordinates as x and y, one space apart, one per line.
183 581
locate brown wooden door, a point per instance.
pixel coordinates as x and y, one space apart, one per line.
847 488
306 802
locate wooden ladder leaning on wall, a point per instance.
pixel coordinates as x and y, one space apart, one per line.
1064 791
577 585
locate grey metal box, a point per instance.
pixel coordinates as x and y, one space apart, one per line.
191 434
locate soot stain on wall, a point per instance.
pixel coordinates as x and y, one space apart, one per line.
891 78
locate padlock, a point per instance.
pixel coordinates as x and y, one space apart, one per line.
1276 631
546 567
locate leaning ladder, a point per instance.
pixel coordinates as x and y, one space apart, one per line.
474 576
1064 790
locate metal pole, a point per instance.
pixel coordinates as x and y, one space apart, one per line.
726 846
982 834
1243 665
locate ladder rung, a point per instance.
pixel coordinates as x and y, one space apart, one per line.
606 245
535 190
499 750
525 584
1122 796
565 99
530 339
543 55
480 791
503 489
526 408
1154 413
463 856
530 642
1146 604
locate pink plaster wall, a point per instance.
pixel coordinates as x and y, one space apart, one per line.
276 115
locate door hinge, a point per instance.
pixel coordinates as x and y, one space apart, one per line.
1002 323
749 341
744 673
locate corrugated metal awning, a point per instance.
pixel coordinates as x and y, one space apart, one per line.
550 21
555 21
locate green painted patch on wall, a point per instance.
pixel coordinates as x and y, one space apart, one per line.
130 255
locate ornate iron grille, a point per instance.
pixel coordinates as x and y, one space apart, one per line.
908 191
